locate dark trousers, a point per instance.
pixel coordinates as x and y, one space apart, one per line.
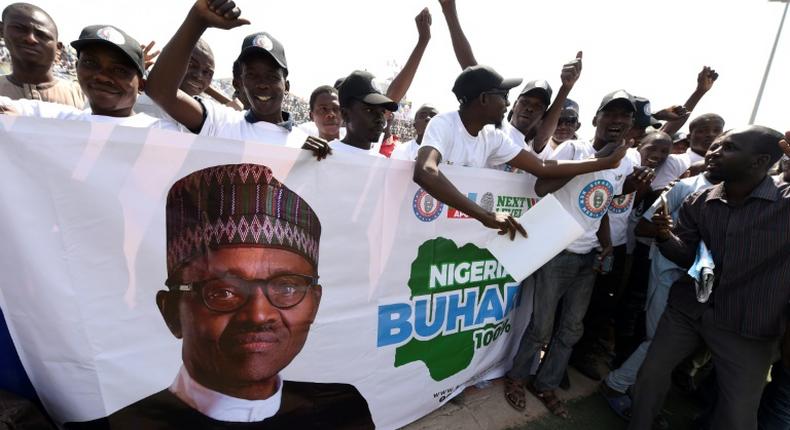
629 326
775 405
741 363
602 307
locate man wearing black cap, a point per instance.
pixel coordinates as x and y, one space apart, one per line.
471 137
264 73
569 276
529 122
567 125
363 107
110 67
242 304
32 40
196 81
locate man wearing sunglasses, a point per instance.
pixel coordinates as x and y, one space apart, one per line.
242 292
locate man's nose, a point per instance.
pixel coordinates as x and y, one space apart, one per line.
30 38
258 309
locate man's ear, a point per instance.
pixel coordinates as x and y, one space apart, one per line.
762 162
317 292
287 86
579 125
594 121
141 85
167 302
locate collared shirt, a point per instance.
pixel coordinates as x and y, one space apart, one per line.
58 91
749 243
222 121
222 407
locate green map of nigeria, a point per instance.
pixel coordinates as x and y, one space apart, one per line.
472 297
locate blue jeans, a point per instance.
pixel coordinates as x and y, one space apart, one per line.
570 277
774 411
624 377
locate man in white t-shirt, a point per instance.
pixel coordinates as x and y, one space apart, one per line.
471 136
110 66
264 73
363 107
196 81
570 276
408 150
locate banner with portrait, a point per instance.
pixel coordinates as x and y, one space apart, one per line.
412 307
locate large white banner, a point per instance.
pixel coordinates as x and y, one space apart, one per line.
413 307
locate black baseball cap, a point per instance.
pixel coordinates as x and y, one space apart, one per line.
541 88
615 97
359 86
570 109
114 37
264 43
475 80
643 116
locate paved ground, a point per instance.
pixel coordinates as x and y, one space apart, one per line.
486 409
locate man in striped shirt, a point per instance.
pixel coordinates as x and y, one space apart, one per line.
745 223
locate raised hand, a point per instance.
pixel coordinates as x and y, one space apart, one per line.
672 113
706 78
423 20
572 70
219 13
148 56
663 223
785 144
643 176
505 223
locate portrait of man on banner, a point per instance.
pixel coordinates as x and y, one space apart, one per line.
242 293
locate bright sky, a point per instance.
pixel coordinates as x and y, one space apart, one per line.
652 49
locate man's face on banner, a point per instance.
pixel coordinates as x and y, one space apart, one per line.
231 351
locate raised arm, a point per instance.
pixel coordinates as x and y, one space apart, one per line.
169 70
705 80
401 83
570 74
461 46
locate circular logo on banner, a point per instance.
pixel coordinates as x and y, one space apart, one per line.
595 198
426 208
621 204
110 34
263 41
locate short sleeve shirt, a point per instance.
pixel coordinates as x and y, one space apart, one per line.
39 109
406 151
588 197
447 134
620 209
228 123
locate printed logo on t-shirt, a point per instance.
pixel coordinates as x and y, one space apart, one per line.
426 208
110 34
621 204
595 198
